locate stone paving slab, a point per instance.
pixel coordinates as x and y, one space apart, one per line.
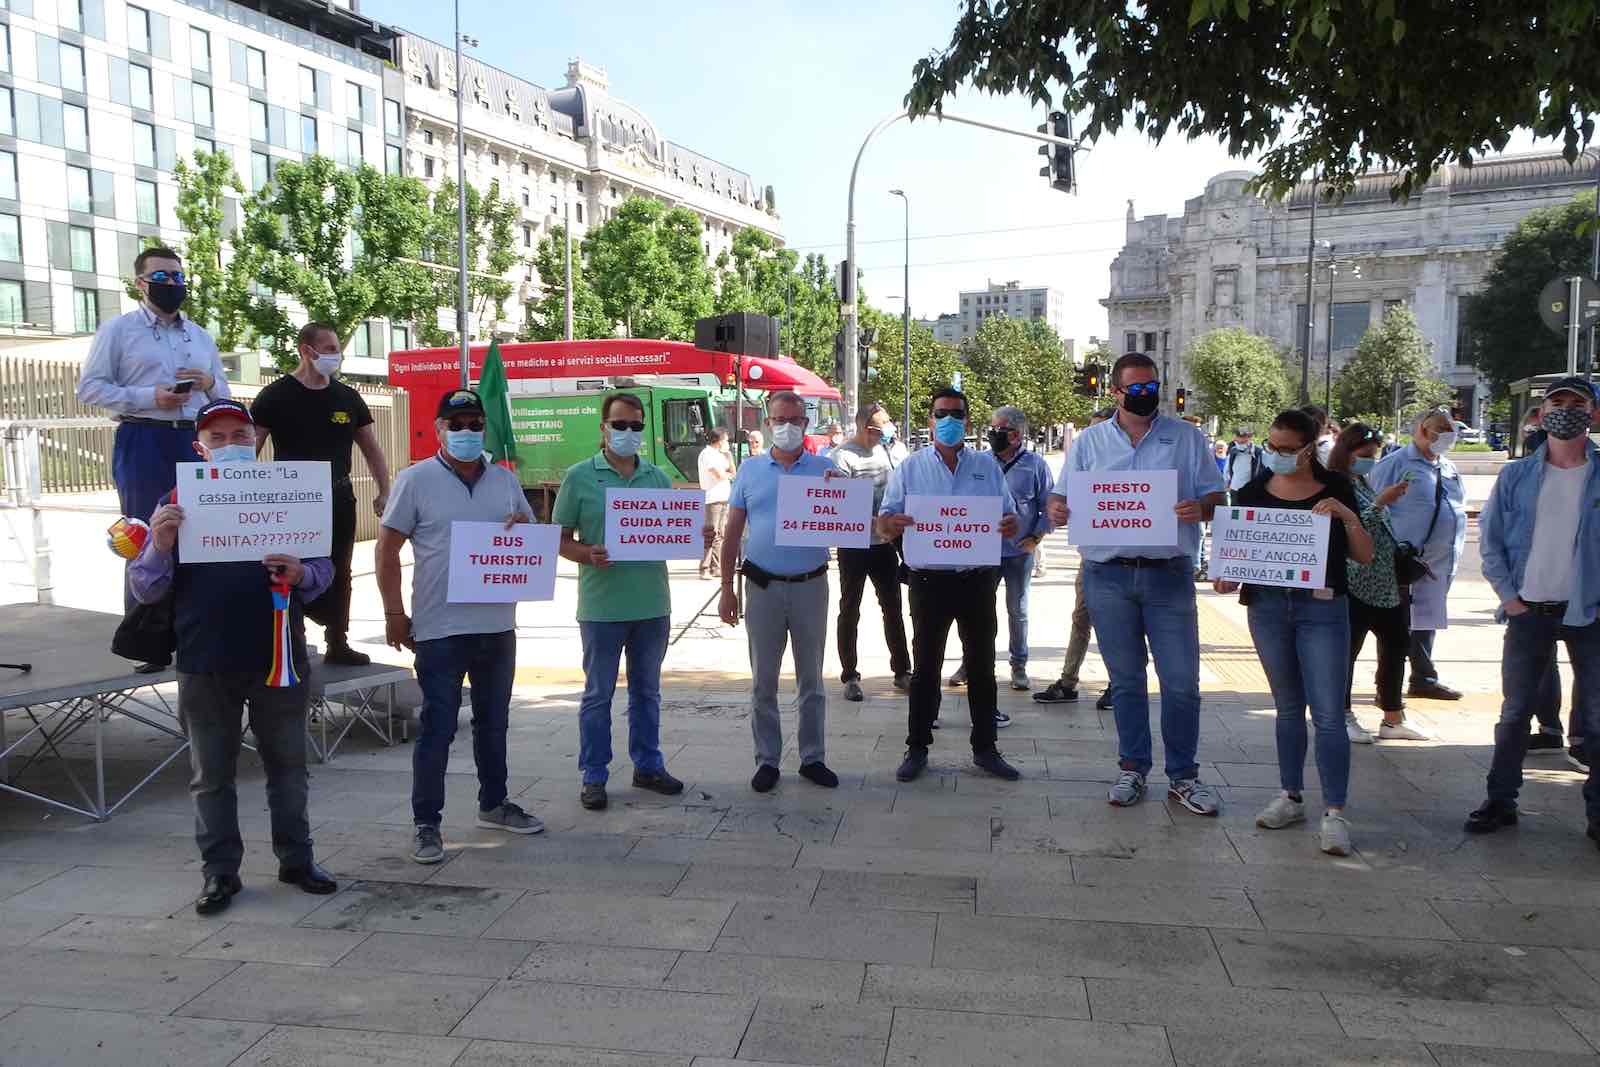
821 1032
1085 949
418 909
1529 1027
866 936
310 1046
345 999
942 987
83 979
1224 1047
55 1037
621 1019
468 957
960 1039
132 936
832 981
277 944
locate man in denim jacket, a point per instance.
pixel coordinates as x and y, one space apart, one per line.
1539 537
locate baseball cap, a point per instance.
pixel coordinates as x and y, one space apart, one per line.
1571 384
459 402
218 408
1243 431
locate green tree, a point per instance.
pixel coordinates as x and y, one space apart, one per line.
814 318
1327 87
1021 362
933 365
1394 351
545 316
648 267
1240 377
491 254
758 276
1504 329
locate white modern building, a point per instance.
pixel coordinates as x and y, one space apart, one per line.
946 329
1011 299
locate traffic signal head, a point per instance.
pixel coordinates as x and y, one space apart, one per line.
1089 380
838 357
1180 400
1058 165
1408 393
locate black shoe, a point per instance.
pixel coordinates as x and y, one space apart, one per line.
766 777
1539 741
659 782
818 774
1001 720
1104 703
1578 758
152 668
217 893
1491 817
852 691
1055 693
1434 690
311 878
342 655
914 764
996 765
593 796
902 681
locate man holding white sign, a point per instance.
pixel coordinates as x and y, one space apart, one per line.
1140 591
953 506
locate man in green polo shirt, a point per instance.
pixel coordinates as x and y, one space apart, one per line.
622 606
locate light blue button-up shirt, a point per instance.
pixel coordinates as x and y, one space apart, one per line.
136 353
1171 444
1030 482
1409 516
925 473
1505 535
755 492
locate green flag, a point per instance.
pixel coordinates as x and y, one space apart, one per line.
499 442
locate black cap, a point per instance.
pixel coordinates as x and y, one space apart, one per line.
459 402
1243 431
1571 384
218 408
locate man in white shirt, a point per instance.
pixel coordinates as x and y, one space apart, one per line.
716 479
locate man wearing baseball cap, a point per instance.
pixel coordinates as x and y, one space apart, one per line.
1539 536
223 614
476 642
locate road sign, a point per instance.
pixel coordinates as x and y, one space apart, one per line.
1554 297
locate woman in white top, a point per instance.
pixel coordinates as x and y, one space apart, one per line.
716 478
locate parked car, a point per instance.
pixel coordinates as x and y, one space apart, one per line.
1468 435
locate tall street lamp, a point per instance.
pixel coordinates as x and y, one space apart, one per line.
905 314
1333 269
1311 270
461 204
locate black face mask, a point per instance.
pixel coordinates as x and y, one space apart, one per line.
169 298
1143 404
999 440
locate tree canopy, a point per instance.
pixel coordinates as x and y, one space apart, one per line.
1326 87
933 365
1240 377
1021 362
649 269
491 253
1394 350
545 316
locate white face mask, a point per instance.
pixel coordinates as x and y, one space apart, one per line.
328 365
232 454
1443 442
787 437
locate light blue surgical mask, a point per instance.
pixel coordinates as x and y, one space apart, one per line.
1278 463
1362 465
233 454
464 446
950 431
888 433
624 443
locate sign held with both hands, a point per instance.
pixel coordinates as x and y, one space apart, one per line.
238 512
961 531
1122 507
652 524
1270 546
824 512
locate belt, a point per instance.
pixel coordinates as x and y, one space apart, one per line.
770 577
175 424
1140 561
962 570
1547 607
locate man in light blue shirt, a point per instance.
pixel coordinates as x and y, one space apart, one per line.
943 595
1145 593
786 593
1029 479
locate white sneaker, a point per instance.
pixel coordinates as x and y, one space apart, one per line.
1281 811
1335 835
1353 727
1400 731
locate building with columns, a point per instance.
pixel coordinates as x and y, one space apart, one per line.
1236 259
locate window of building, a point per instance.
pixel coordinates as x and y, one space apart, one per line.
260 171
75 127
362 340
308 87
200 97
206 145
258 120
10 238
527 236
8 123
525 166
1349 323
427 136
80 242
140 87
355 148
392 160
308 134
1390 305
138 29
399 338
80 195
199 49
1299 341
580 185
255 68
1130 342
391 118
494 159
1466 348
579 209
72 67
8 176
146 202
427 167
68 12
83 310
1149 342
144 144
356 101
527 198
616 194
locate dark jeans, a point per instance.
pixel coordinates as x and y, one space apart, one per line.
1420 652
1529 650
716 517
332 608
1392 628
489 662
144 465
881 565
1548 709
211 708
965 598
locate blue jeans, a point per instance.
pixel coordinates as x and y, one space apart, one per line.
489 662
1530 649
1152 603
645 642
1304 647
1017 571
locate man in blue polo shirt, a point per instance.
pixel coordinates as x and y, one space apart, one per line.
1146 593
942 595
786 592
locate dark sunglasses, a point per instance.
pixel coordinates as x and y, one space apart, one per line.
165 277
626 424
458 425
1142 388
949 413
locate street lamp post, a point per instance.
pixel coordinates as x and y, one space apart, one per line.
905 313
1311 270
1327 385
461 208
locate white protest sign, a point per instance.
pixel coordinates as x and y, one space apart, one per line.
1270 546
490 564
1122 507
655 524
824 512
244 511
958 531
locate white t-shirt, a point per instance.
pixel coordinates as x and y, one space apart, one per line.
717 489
1548 575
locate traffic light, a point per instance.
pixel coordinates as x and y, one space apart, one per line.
1180 400
1058 158
838 357
865 339
1089 380
1408 393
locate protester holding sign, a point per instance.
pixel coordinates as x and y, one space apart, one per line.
453 641
229 632
959 593
623 607
787 592
1302 636
1141 592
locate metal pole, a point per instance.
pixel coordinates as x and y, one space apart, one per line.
1574 316
905 312
1327 389
567 237
1311 318
461 215
1594 258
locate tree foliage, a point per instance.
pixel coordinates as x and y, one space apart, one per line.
1240 377
1394 350
933 366
545 316
1021 362
1326 87
491 252
759 277
219 292
648 267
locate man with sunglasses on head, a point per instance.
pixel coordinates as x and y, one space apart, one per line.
623 607
1143 596
453 641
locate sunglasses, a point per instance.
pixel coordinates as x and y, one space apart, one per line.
626 424
458 425
788 420
165 277
1142 388
949 413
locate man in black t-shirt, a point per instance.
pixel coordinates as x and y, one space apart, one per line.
310 415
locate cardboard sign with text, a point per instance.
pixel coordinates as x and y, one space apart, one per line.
824 512
234 512
490 564
1122 507
655 524
953 531
1270 546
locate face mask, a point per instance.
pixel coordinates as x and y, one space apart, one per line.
232 454
888 433
1565 423
950 431
464 446
327 365
1141 405
1363 465
168 298
1443 442
1278 463
999 440
624 443
787 438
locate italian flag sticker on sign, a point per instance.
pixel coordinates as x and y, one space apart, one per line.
200 473
1248 516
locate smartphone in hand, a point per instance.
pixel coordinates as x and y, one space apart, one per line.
183 387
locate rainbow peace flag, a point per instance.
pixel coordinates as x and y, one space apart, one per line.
281 675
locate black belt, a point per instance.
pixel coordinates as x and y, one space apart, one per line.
1547 607
762 576
962 570
175 424
1140 561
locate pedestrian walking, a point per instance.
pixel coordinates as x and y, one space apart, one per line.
716 481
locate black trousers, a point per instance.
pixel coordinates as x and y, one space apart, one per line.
332 608
881 565
1392 628
938 599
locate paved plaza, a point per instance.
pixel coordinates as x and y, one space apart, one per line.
958 920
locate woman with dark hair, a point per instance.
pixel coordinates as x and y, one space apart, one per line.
1376 606
1302 636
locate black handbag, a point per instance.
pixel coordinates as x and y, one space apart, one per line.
1409 566
148 633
